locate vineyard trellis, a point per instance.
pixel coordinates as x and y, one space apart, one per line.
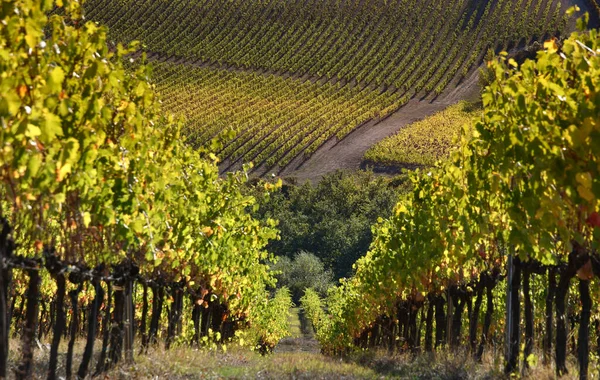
102 203
117 328
512 219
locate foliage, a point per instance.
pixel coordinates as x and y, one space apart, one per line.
314 311
332 219
525 183
90 168
270 320
304 271
425 142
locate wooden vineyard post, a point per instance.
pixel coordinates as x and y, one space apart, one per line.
128 323
5 253
584 329
512 301
3 318
449 314
529 332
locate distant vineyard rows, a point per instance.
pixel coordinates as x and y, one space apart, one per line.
399 44
426 141
311 70
270 120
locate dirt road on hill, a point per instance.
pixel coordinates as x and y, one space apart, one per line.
348 153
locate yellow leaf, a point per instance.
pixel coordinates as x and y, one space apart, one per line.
33 131
584 179
87 218
551 46
585 193
207 231
62 172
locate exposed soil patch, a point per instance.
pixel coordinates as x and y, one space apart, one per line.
348 153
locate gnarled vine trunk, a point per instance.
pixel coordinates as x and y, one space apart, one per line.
528 316
59 325
549 315
490 283
440 322
584 329
429 325
29 329
479 287
6 250
561 323
91 333
514 318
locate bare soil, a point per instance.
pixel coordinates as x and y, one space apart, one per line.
348 153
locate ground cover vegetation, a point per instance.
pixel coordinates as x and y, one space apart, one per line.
345 61
495 249
425 142
104 211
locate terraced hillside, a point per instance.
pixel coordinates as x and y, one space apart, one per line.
286 76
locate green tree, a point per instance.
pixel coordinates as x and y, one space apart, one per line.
304 271
331 219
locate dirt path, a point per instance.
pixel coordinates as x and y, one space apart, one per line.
348 153
303 337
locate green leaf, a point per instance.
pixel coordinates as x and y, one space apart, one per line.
51 127
33 165
55 80
9 103
137 226
33 131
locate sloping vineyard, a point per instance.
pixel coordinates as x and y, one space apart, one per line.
372 54
498 247
399 43
425 142
268 120
102 204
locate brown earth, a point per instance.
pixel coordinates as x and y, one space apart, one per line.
348 153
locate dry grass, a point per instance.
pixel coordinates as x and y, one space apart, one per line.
239 363
298 358
459 365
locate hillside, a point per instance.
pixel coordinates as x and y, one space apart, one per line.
278 81
128 249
